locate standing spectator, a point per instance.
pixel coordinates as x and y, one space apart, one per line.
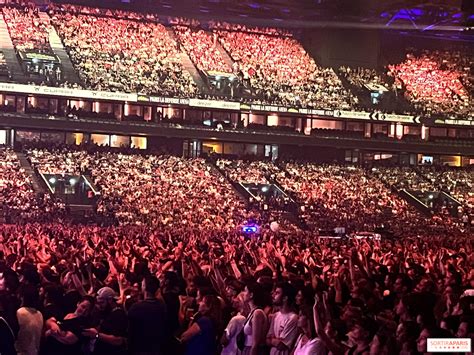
256 325
170 293
308 343
64 337
383 343
52 302
201 336
7 336
283 327
108 337
360 336
30 321
235 326
147 321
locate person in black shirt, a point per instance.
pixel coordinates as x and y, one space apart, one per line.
201 336
52 302
64 337
7 335
147 321
109 335
170 292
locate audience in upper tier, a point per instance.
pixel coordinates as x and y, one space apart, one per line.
177 276
124 55
437 82
279 70
202 49
226 26
27 30
118 50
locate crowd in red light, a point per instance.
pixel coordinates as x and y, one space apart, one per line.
437 81
202 49
179 221
27 30
125 55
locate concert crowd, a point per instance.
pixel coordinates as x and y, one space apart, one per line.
115 50
174 273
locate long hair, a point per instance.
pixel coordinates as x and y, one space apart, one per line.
258 294
215 311
307 311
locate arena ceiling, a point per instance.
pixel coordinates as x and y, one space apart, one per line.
413 14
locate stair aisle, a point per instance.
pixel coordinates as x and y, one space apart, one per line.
6 46
69 72
189 65
225 55
25 164
239 189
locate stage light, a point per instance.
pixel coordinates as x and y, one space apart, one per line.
52 180
431 196
249 229
265 189
72 181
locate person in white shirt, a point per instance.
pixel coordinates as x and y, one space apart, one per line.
308 343
30 322
283 327
235 325
256 324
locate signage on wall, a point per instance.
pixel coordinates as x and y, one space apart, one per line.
66 92
224 105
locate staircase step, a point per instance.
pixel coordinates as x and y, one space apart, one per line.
188 64
25 164
239 189
225 55
69 72
6 46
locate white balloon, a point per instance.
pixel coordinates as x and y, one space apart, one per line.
274 226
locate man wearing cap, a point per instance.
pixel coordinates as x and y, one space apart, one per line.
109 334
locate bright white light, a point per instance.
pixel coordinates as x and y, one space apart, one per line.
72 181
52 180
265 189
